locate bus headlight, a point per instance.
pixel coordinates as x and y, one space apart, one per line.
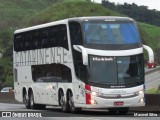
93 101
140 92
141 100
93 93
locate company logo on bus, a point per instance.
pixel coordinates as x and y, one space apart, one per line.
102 59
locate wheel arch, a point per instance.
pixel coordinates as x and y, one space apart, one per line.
67 93
59 90
24 90
30 90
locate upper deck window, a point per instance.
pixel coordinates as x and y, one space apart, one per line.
111 33
47 37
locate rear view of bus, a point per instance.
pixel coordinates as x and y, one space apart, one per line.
110 62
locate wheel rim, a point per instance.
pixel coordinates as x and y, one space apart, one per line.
62 100
25 99
71 102
31 100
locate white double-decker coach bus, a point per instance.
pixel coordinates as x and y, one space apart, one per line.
84 62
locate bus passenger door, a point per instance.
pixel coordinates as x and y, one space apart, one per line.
17 84
55 93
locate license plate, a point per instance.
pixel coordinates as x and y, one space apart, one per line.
120 103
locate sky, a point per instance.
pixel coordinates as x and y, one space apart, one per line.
152 4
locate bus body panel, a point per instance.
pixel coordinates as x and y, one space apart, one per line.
47 93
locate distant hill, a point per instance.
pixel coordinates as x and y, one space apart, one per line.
71 8
139 13
150 34
13 13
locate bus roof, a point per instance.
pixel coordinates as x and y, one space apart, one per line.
107 18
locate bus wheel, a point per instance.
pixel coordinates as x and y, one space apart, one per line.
63 103
73 109
123 110
31 101
26 101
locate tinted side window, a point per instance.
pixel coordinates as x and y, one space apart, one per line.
18 42
51 73
36 42
76 39
28 40
75 33
58 36
54 36
45 38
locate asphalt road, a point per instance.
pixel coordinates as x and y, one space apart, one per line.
151 69
152 80
57 114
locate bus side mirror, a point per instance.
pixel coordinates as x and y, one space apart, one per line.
150 53
84 53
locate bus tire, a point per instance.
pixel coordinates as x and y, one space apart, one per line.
26 101
72 107
31 101
64 104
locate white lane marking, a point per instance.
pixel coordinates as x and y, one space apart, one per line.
91 118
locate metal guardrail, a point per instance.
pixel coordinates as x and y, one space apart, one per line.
152 104
151 70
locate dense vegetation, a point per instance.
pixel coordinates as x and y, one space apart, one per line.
139 13
17 14
13 15
69 9
150 34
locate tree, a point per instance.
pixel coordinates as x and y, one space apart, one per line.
6 74
139 13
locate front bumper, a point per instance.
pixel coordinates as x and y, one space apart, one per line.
109 103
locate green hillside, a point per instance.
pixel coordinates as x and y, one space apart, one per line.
13 13
150 34
71 8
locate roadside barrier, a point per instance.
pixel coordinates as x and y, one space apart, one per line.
7 98
152 104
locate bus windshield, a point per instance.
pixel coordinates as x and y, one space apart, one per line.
111 33
116 70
